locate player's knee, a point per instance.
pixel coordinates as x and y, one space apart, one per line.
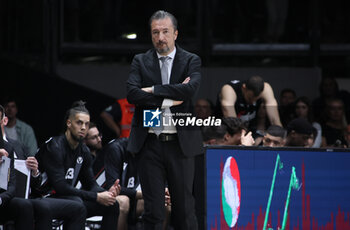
81 209
25 206
124 204
78 209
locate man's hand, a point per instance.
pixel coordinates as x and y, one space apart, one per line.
115 189
3 152
106 198
167 197
32 164
187 80
246 138
175 103
147 89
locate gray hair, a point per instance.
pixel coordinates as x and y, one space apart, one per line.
161 14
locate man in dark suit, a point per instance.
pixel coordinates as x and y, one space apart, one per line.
165 77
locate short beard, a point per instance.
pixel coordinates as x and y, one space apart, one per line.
163 51
94 147
77 139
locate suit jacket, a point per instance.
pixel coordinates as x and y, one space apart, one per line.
145 72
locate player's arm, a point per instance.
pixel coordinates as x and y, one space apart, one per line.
228 98
271 105
113 163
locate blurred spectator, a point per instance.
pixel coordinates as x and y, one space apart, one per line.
329 89
232 131
335 124
303 110
286 107
243 100
117 119
312 139
275 136
299 132
19 130
203 108
287 97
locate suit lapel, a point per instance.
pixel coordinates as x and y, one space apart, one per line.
177 68
154 68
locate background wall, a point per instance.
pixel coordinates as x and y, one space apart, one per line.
110 79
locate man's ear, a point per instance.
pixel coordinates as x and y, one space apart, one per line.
176 33
5 120
69 123
227 137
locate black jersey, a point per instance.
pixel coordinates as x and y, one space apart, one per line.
59 162
246 112
120 165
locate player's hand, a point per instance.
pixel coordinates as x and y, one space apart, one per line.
247 138
106 198
115 189
32 164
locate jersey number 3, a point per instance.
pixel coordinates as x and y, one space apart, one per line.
70 174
